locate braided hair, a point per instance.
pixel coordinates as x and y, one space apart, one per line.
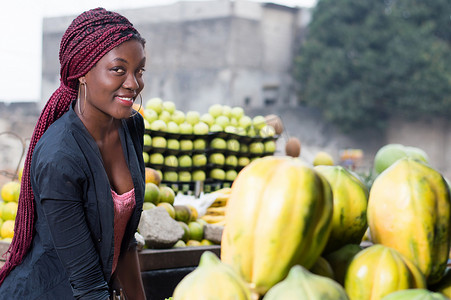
88 38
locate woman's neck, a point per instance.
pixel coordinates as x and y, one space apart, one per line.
101 128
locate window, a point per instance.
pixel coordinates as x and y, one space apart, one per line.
270 95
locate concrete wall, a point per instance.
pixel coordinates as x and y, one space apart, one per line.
431 135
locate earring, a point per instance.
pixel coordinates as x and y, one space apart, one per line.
79 97
140 105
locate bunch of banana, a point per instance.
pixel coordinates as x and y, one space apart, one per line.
215 214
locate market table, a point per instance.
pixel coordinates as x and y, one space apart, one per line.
163 269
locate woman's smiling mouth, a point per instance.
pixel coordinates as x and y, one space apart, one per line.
125 100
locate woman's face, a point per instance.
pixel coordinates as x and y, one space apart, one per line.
114 83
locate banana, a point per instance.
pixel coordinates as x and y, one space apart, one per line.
216 211
213 219
222 197
219 202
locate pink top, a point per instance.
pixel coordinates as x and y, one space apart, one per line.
123 209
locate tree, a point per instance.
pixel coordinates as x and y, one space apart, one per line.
364 61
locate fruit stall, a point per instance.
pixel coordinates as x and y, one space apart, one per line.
226 216
287 222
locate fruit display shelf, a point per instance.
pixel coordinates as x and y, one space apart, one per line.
198 187
214 159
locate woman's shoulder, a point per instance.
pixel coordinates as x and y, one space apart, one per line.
60 141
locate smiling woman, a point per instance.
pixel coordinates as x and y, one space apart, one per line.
82 186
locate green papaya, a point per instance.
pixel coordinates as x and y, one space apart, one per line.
212 279
415 294
339 260
302 284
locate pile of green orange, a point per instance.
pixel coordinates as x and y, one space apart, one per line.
159 195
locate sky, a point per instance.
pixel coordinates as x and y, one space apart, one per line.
21 37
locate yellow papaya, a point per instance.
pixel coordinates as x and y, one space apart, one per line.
212 279
350 198
302 284
279 214
409 210
378 271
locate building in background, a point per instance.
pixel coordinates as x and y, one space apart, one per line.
201 53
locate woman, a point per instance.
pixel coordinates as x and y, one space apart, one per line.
83 181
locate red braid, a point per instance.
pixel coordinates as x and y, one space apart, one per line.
89 37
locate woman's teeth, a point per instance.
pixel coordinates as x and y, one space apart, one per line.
126 99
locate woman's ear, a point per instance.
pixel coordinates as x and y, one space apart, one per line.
82 80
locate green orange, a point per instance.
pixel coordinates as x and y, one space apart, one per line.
186 232
196 231
9 211
167 195
7 229
10 191
169 208
151 193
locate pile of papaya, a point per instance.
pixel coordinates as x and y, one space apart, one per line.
297 231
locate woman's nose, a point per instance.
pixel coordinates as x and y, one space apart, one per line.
131 83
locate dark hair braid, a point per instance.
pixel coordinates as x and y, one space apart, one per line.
88 38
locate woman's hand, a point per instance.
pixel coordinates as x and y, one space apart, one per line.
129 276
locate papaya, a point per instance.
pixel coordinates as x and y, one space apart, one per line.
378 271
339 260
415 294
444 285
323 268
212 279
350 198
278 214
302 284
409 210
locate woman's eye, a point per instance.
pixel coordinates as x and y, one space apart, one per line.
141 71
118 70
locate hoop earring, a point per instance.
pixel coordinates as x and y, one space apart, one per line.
139 108
79 98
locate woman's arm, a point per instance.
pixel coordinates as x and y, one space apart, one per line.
129 275
62 207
